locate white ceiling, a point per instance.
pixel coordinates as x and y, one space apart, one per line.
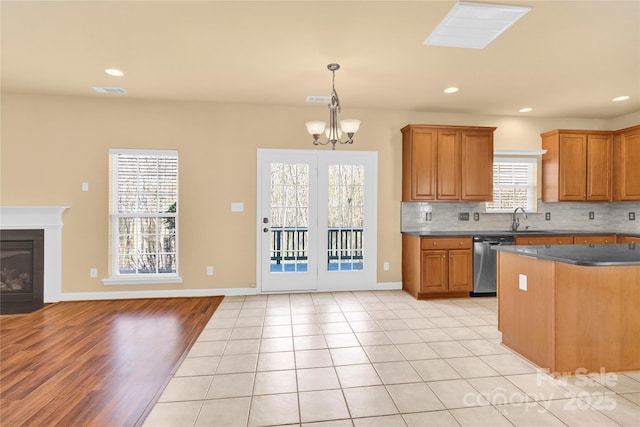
564 58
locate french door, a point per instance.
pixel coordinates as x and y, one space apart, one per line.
317 225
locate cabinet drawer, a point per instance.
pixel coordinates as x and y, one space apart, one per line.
446 243
628 239
593 240
544 240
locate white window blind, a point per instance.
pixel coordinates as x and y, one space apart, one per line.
513 184
144 213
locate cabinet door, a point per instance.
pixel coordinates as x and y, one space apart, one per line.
599 167
434 271
573 167
448 165
460 270
476 161
424 146
626 160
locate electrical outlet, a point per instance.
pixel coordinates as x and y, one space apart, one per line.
463 216
93 273
592 215
209 271
632 216
522 282
547 216
428 217
385 266
476 216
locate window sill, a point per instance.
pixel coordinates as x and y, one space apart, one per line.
150 280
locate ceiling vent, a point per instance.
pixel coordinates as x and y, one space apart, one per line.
474 25
101 89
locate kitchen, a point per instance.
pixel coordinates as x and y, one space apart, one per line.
556 220
541 304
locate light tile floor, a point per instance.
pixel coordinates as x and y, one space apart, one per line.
375 359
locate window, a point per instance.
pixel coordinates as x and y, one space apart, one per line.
144 216
513 184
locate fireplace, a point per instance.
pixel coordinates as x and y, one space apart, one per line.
21 271
41 219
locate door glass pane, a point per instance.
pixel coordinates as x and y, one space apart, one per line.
345 217
289 249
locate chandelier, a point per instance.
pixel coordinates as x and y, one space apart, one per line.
333 132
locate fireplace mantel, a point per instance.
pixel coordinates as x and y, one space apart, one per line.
49 219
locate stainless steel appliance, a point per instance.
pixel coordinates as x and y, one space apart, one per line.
484 263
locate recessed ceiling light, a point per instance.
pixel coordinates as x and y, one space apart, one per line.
525 109
474 25
451 90
114 72
621 98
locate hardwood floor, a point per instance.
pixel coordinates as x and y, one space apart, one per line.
94 363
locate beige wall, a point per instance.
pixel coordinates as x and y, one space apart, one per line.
50 145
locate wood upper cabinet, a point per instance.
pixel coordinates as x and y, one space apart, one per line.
476 155
419 158
626 164
577 166
447 163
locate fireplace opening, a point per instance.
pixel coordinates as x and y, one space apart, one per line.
21 271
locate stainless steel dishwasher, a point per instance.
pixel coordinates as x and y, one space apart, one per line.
484 263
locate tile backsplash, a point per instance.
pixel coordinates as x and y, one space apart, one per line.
564 216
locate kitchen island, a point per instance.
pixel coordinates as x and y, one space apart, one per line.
571 309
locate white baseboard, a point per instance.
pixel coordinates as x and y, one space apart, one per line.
179 293
388 286
172 293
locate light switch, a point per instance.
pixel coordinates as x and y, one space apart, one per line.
93 273
237 207
522 282
210 270
85 186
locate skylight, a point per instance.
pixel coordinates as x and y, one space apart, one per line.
474 25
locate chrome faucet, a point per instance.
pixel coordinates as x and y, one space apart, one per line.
515 221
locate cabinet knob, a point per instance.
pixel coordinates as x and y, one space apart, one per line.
435 243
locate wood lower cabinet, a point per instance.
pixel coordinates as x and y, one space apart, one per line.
577 166
447 163
437 267
581 239
626 158
594 240
627 239
544 240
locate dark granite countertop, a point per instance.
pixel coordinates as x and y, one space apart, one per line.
512 233
588 255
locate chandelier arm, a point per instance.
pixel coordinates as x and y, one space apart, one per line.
333 132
